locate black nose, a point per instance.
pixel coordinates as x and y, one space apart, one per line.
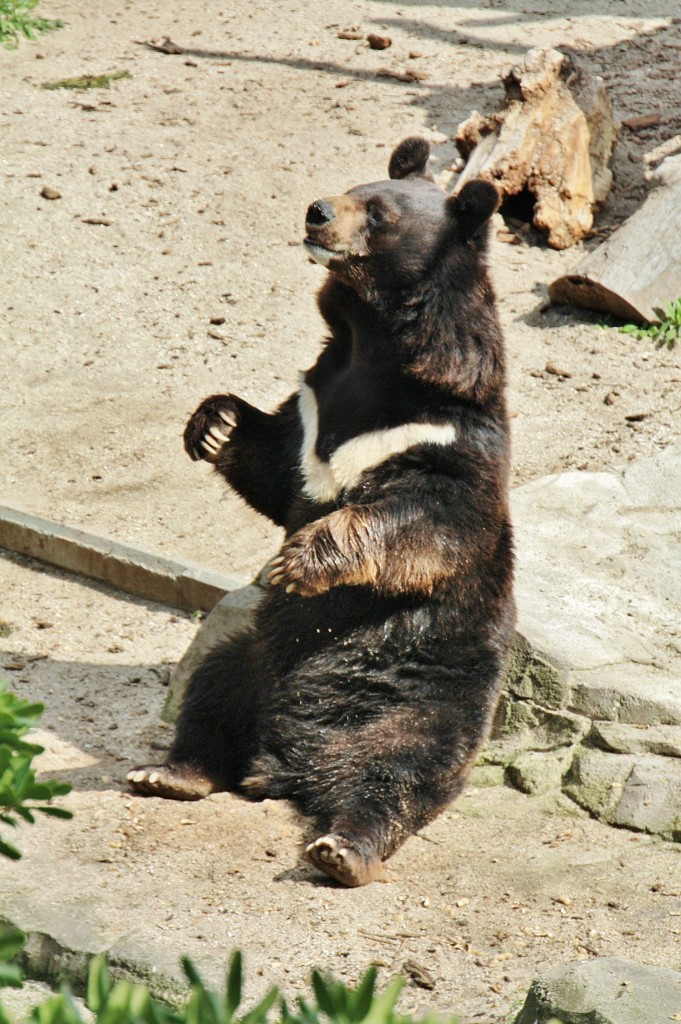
320 212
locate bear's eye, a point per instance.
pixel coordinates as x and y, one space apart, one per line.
376 215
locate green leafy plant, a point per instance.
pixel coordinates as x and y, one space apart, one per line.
666 333
17 19
21 796
124 1002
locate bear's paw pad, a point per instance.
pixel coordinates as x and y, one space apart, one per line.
337 857
170 782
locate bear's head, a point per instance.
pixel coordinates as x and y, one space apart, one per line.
388 236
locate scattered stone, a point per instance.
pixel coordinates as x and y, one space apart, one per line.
165 46
350 33
47 192
412 75
556 371
549 148
377 42
418 974
635 124
603 991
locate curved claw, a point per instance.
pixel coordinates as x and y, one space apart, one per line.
218 435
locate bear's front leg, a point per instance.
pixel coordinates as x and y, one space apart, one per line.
331 552
256 452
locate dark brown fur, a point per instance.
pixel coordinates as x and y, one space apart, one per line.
369 681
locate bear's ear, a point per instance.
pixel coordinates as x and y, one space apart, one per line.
410 159
473 206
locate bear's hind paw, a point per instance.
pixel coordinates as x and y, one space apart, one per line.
171 782
337 857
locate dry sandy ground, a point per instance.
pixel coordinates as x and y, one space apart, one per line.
198 170
202 166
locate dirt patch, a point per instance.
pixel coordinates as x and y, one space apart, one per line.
169 268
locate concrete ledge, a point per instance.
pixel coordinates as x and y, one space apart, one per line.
178 584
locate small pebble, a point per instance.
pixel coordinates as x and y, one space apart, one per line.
377 42
47 192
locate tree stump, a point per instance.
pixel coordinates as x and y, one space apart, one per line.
637 271
550 146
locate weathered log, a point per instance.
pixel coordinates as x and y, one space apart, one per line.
637 271
551 144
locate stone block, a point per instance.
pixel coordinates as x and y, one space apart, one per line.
632 694
536 772
608 990
232 614
637 739
640 792
596 780
524 725
651 798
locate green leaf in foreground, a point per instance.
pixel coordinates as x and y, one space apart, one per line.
21 795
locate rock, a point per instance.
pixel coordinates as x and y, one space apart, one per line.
603 991
596 781
535 773
523 725
47 192
640 793
637 739
549 147
231 615
651 801
377 42
627 693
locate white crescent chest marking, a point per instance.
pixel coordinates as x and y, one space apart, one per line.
325 480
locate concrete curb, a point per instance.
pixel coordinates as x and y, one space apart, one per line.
178 584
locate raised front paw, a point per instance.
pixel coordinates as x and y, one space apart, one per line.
210 428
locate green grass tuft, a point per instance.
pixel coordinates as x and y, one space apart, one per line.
87 81
664 334
17 20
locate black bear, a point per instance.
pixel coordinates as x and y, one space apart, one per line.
370 677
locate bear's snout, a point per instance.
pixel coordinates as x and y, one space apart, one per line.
319 213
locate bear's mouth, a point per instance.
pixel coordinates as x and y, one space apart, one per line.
320 254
